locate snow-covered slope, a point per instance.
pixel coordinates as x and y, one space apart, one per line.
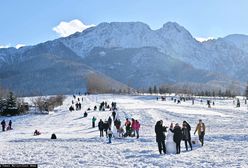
79 145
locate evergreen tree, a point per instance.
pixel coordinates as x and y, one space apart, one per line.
150 90
11 101
246 91
1 104
155 89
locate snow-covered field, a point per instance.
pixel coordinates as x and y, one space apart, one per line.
79 145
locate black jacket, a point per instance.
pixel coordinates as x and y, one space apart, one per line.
100 125
3 123
160 132
185 134
177 134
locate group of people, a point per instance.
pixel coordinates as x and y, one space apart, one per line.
9 127
132 128
175 135
78 104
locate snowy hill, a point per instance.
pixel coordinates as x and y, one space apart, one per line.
79 145
169 54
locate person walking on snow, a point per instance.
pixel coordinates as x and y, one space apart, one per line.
93 122
3 123
160 136
200 128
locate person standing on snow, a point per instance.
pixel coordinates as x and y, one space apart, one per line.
110 133
137 127
3 123
93 122
9 125
160 136
110 122
128 127
186 135
106 127
101 127
114 115
200 128
133 126
177 137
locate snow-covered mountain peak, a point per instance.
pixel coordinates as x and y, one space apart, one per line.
173 31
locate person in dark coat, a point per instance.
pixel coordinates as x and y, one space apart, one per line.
160 136
114 115
71 108
3 123
93 122
101 127
53 136
95 108
106 127
177 137
110 121
85 114
186 135
9 125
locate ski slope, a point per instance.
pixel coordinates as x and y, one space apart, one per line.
79 145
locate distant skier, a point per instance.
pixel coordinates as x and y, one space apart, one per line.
3 123
93 122
85 114
101 127
200 128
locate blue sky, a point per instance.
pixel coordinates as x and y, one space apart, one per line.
30 22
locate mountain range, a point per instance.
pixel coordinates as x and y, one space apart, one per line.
124 54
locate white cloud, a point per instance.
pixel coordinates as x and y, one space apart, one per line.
202 39
19 46
67 28
4 46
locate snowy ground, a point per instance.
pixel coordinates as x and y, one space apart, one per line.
79 145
